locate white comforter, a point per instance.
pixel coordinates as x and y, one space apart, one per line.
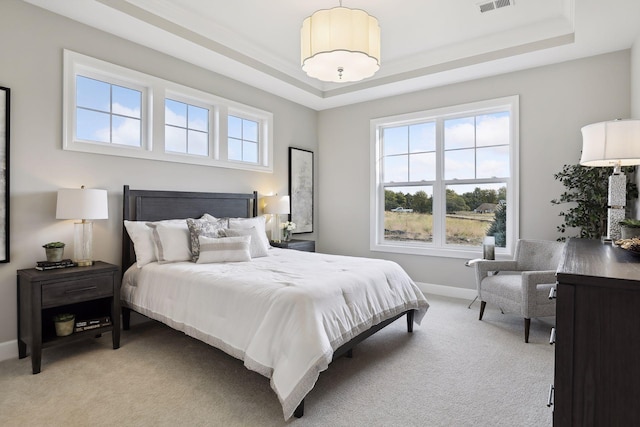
283 314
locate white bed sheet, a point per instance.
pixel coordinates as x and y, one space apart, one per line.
283 314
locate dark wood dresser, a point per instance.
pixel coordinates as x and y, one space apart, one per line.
597 353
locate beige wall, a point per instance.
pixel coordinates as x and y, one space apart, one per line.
31 65
555 102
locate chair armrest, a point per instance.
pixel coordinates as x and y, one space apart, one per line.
483 267
531 279
530 282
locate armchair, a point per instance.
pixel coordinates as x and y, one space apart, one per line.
526 286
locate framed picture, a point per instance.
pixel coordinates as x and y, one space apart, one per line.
301 189
4 173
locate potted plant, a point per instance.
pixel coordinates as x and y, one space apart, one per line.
586 188
64 324
629 228
287 229
54 251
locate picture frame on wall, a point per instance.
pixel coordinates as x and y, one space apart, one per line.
5 98
301 189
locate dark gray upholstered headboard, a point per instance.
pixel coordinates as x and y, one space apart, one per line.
152 205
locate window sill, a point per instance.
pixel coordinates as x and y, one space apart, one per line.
444 252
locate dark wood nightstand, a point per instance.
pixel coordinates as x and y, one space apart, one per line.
88 292
299 245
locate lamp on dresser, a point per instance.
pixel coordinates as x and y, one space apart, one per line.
613 143
82 204
276 206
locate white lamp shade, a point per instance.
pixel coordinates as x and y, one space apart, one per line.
611 143
340 45
276 205
82 203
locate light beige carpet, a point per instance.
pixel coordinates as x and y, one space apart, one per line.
452 371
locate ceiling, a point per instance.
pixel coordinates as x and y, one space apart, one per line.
425 43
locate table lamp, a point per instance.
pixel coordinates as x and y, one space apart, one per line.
82 204
276 206
613 143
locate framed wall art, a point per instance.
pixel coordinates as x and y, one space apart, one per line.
301 189
4 172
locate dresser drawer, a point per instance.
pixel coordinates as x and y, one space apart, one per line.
82 289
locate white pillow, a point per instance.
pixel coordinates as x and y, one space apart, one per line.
172 241
258 222
142 237
224 249
255 246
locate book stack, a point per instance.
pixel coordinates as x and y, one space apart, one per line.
50 265
86 325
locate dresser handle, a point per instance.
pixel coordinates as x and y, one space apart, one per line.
552 338
552 293
88 288
550 401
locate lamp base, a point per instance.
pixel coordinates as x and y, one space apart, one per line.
276 229
83 243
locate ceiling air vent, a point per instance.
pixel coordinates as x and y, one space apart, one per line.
493 5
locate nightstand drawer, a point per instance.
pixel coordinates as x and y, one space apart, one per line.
62 293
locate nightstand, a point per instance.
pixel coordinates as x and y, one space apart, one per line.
299 245
88 292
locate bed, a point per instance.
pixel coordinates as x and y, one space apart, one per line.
287 314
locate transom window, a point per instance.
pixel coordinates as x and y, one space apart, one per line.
243 139
113 110
186 128
444 179
107 112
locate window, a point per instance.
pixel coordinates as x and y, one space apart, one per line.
112 110
108 113
444 179
243 139
186 128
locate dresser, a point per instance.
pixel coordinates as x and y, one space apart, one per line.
597 347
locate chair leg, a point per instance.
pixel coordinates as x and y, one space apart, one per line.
527 325
483 304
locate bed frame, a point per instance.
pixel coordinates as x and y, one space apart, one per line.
152 205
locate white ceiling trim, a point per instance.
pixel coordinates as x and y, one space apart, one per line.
155 24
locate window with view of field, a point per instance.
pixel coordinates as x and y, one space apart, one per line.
445 179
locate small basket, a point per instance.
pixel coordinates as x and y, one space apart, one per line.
64 327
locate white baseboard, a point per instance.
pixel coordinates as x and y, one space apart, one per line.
447 291
8 350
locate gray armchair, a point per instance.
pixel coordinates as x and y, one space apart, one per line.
521 286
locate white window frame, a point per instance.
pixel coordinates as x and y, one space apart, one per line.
439 247
154 92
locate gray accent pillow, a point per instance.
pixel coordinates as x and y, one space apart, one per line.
207 226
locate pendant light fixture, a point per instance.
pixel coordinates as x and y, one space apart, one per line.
340 45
